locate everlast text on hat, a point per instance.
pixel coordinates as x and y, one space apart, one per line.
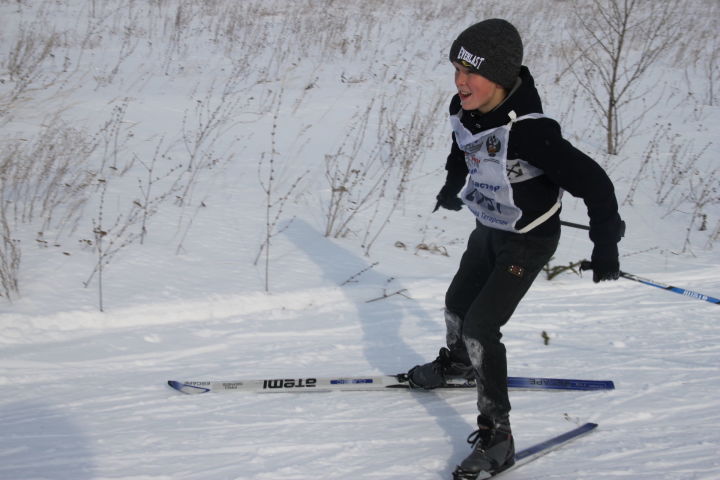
473 60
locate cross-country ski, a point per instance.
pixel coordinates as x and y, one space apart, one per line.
370 383
532 453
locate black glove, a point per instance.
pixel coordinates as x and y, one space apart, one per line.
605 263
448 199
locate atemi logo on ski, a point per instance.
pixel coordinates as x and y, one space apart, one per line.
290 383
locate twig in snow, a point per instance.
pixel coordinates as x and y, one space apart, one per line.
353 278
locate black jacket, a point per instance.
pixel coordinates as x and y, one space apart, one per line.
540 143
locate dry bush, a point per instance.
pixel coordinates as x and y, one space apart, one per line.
369 173
618 41
45 183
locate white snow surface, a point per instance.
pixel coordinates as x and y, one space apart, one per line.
85 393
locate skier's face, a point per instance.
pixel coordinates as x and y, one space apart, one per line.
476 92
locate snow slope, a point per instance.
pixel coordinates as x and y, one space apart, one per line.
85 391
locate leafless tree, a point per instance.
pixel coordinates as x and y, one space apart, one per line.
618 40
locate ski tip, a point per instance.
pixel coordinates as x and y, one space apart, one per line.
185 388
175 384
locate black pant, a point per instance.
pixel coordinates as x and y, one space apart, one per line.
495 272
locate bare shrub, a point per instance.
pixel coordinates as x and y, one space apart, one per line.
703 192
673 161
109 238
275 198
352 177
683 179
43 182
407 138
9 259
712 72
368 176
618 40
32 47
47 181
208 122
153 187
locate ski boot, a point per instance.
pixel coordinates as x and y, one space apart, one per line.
493 450
436 373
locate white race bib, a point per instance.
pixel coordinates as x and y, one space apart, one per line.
489 191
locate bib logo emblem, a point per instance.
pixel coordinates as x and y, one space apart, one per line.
493 145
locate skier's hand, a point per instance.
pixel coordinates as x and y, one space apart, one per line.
605 263
448 200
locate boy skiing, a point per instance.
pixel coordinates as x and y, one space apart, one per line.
518 165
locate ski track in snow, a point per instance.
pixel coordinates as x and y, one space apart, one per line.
91 403
89 398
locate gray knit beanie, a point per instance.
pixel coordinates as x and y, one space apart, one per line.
492 48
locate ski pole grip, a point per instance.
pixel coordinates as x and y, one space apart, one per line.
586 265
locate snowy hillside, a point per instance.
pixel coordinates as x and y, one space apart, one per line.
231 190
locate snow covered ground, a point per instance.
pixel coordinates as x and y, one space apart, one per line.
292 83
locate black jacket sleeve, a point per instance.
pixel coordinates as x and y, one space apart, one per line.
456 168
455 165
542 144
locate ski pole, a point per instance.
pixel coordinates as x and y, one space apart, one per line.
574 225
681 291
586 265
